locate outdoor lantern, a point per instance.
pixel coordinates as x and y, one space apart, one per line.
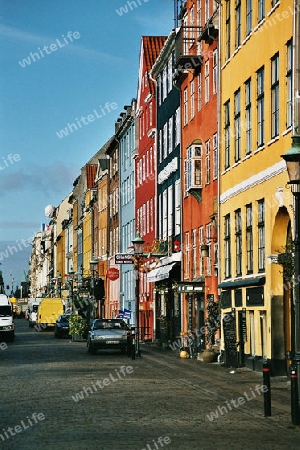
292 159
138 244
93 264
204 250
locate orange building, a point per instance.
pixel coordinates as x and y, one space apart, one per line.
196 55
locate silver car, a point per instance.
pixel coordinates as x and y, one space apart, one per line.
107 333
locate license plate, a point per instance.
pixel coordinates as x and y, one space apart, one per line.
112 342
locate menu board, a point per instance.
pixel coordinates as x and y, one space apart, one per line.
229 329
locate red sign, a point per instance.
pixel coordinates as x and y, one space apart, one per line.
112 274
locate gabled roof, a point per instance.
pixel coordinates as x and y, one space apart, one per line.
152 46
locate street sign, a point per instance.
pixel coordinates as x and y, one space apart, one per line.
123 258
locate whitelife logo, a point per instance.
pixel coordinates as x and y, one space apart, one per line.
85 120
48 49
12 431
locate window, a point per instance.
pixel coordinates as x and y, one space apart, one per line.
206 73
289 84
249 239
185 106
160 149
201 241
227 244
164 88
165 140
177 207
207 10
275 96
199 12
215 156
248 17
170 137
261 10
187 253
227 133
194 253
208 259
261 235
260 107
170 74
170 210
193 168
238 242
160 215
215 71
192 25
192 87
207 162
237 125
199 91
248 114
238 24
177 126
227 30
150 113
165 214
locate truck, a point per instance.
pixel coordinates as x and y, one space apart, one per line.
7 327
48 312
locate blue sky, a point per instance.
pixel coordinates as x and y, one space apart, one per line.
88 59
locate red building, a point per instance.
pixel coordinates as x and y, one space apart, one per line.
145 171
197 76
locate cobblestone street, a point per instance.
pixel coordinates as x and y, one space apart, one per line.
56 395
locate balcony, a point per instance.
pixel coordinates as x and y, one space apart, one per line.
186 49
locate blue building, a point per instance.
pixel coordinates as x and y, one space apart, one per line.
125 131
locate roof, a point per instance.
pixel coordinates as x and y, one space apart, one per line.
91 170
152 46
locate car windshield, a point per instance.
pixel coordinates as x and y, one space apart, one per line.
109 325
64 318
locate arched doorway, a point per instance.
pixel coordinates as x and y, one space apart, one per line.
281 293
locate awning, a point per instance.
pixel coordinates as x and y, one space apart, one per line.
161 273
242 283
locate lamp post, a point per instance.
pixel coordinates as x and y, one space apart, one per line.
93 265
138 244
292 159
71 281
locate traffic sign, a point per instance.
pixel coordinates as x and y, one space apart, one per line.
123 258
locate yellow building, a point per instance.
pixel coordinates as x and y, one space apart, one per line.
256 118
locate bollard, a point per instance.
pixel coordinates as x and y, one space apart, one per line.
133 344
128 343
294 395
267 394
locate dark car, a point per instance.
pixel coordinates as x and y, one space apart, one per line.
107 334
61 328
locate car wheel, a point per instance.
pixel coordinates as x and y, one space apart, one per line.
91 349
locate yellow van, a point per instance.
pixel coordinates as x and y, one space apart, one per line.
49 311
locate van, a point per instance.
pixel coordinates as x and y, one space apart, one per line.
32 312
48 312
7 327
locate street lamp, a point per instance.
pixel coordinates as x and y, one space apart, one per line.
292 159
138 244
93 265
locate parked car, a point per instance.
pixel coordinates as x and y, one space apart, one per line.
107 333
61 328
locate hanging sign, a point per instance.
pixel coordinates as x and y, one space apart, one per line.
112 274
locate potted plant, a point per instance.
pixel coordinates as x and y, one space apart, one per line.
212 324
77 326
